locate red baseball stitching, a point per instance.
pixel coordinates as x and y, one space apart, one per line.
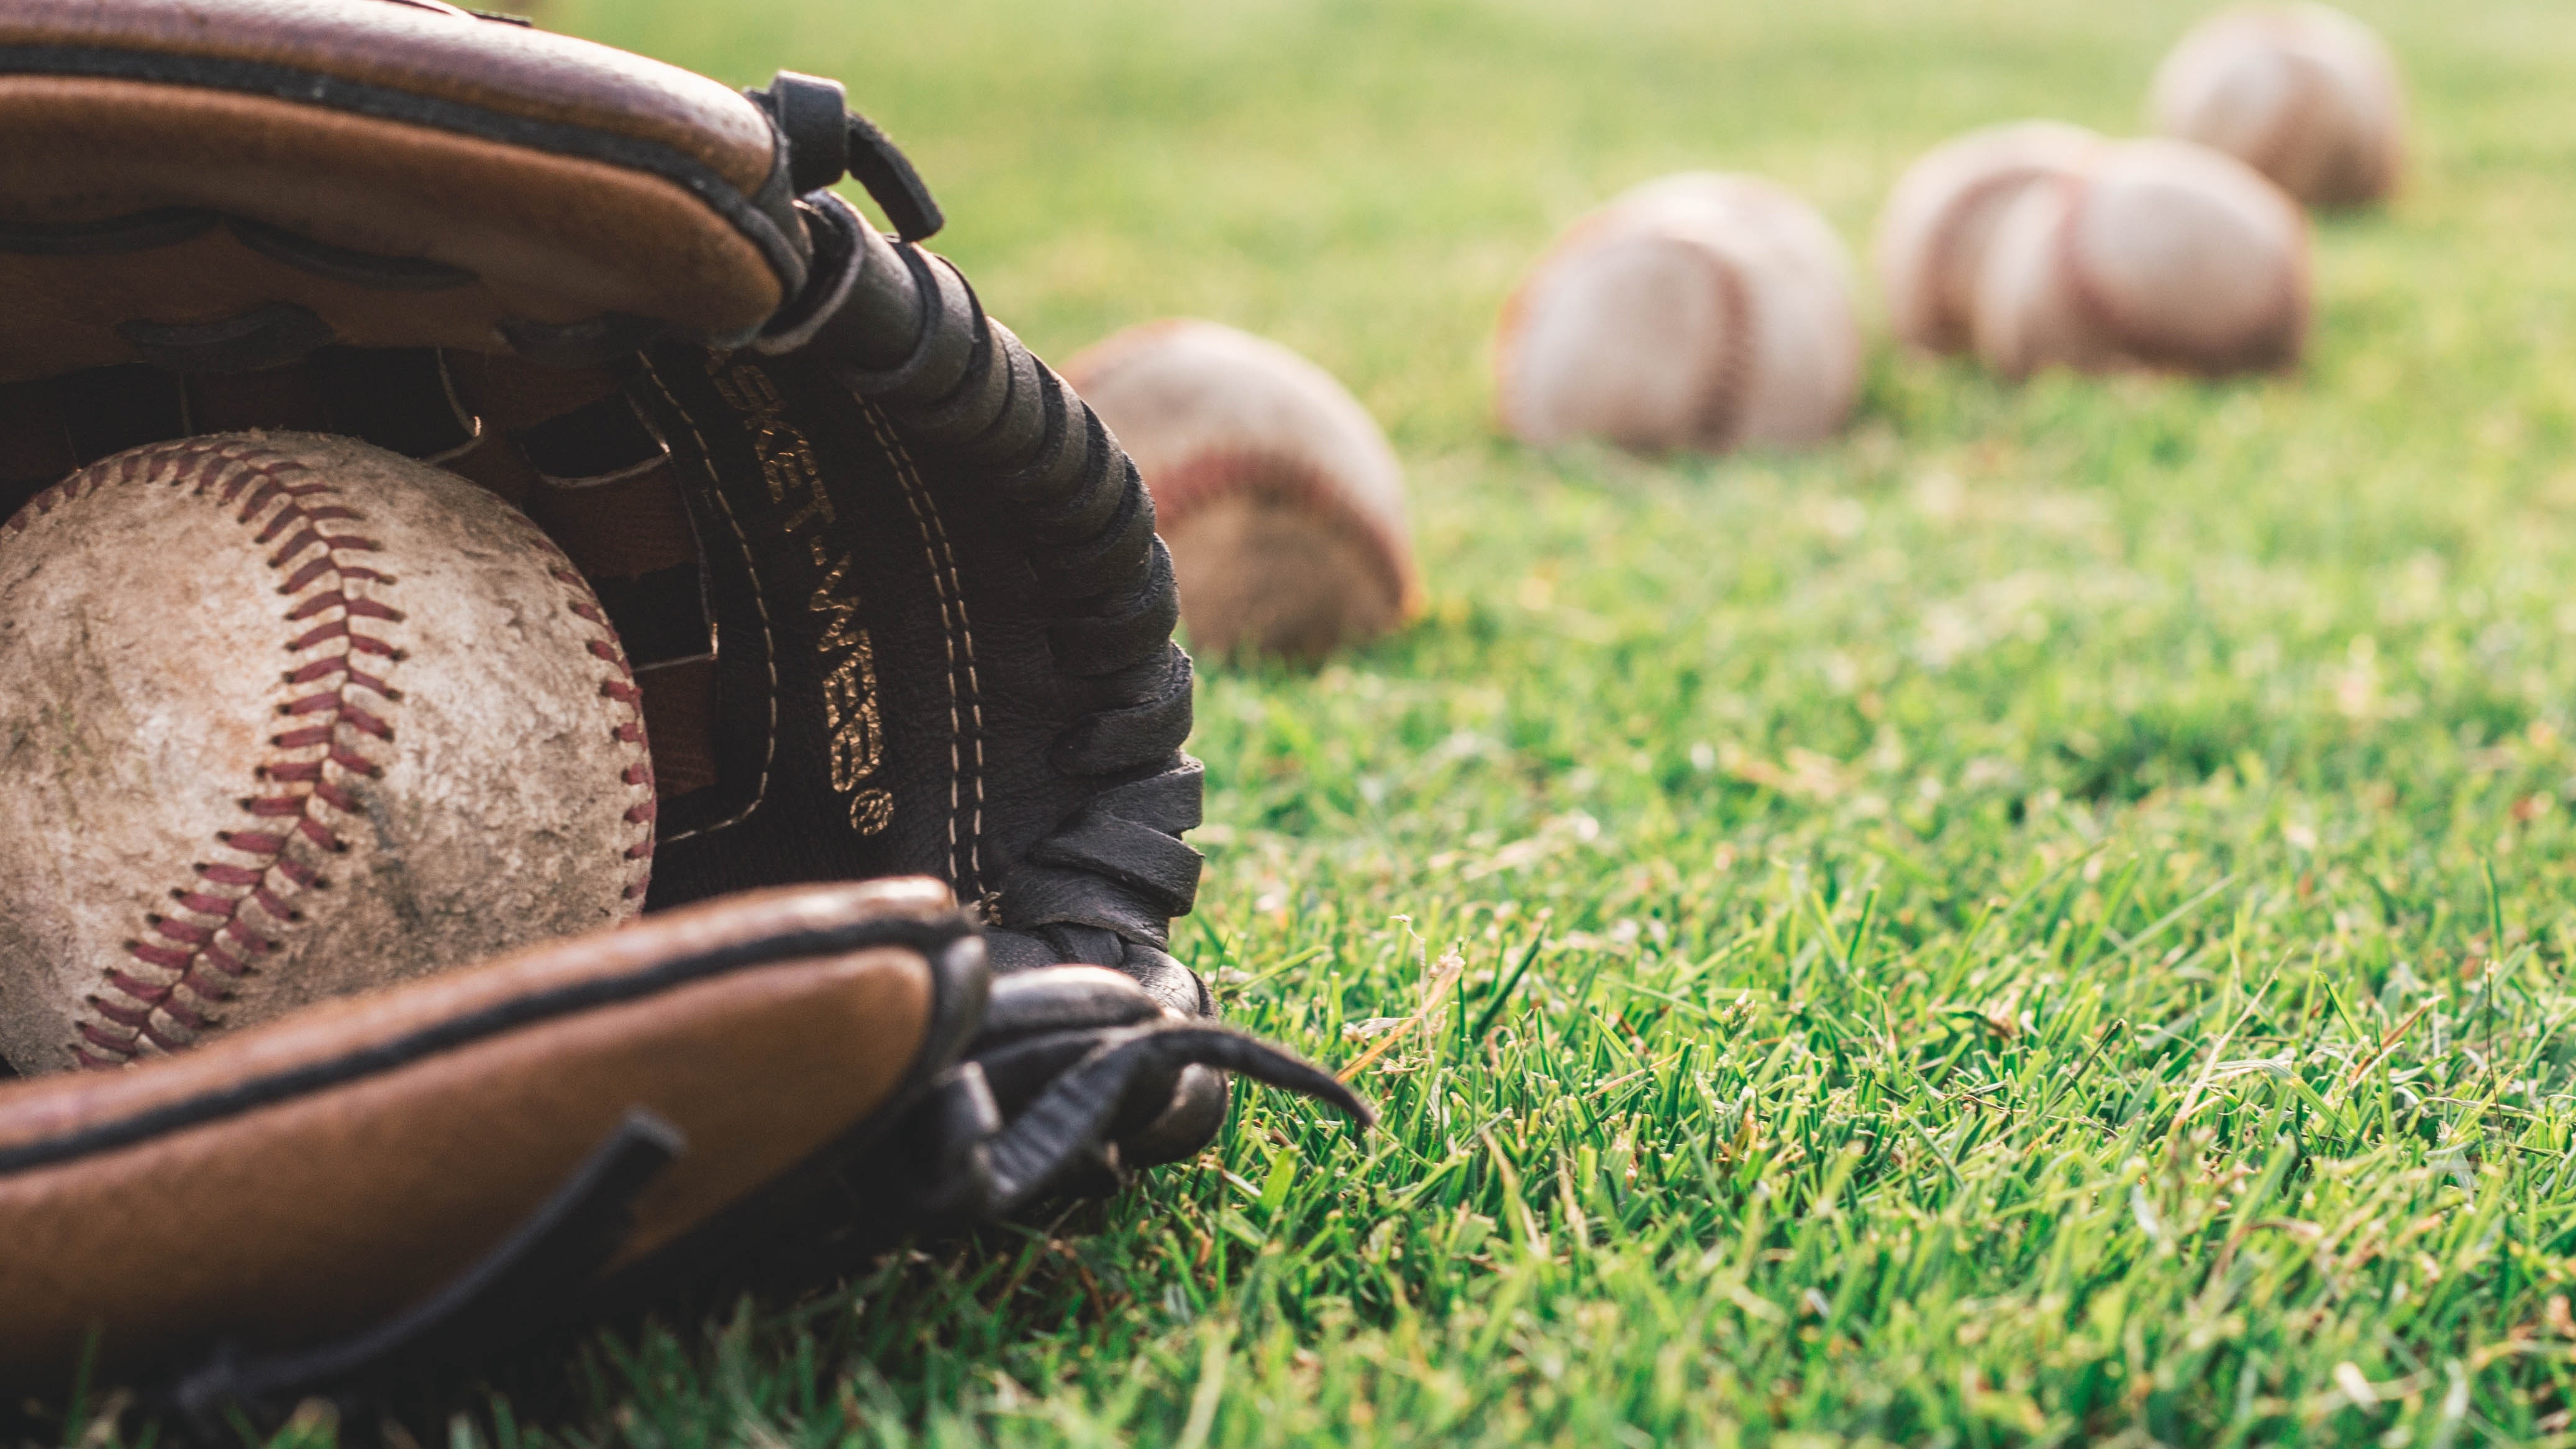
1730 383
620 690
1218 473
186 963
1941 247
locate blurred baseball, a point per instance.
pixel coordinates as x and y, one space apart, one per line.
2162 254
2303 93
284 717
1280 499
1933 235
1701 311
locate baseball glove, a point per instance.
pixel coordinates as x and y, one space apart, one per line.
446 1165
894 605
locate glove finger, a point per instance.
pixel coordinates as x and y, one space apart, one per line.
382 175
1171 1114
1065 998
1193 1112
1020 1071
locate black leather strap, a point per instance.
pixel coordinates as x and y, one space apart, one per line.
878 164
525 1281
813 119
826 140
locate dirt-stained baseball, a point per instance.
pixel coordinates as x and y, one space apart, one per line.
1281 501
2303 93
1698 312
284 717
2162 255
1932 236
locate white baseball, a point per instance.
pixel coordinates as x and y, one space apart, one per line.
1700 311
2161 255
284 717
1933 234
2303 93
1279 497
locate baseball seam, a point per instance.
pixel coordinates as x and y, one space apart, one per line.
1947 328
619 689
2267 153
1729 399
188 961
2092 310
1722 415
1217 473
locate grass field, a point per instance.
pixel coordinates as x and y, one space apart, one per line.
2045 920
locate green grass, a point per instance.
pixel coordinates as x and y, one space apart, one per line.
2049 915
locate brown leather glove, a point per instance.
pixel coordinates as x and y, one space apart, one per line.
892 593
439 1166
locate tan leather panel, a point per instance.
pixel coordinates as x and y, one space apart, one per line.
510 393
494 465
549 238
510 69
680 717
329 1212
622 529
34 1110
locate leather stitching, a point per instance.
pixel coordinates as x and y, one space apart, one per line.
1722 420
767 228
960 631
891 433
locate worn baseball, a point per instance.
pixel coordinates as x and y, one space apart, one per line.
1700 312
1933 234
284 717
2303 93
1280 499
2160 255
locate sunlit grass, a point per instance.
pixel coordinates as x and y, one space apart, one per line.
2046 920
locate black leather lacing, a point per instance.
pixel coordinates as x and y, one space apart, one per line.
1103 887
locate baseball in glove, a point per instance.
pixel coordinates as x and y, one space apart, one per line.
894 611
